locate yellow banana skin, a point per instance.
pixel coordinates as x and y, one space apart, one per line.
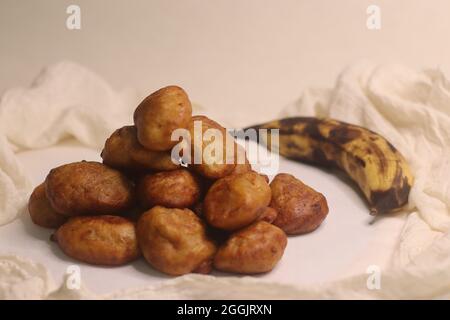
380 171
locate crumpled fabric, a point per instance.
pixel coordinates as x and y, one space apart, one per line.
64 101
411 108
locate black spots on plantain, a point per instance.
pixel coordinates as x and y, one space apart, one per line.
344 134
360 152
382 201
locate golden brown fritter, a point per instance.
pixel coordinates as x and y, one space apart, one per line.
236 201
159 115
83 188
41 212
300 208
172 189
103 240
265 176
212 167
174 241
254 249
268 214
123 151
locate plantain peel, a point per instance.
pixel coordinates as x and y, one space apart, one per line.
379 169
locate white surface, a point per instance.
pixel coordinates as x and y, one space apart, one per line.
324 255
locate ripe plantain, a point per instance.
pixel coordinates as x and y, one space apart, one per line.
379 169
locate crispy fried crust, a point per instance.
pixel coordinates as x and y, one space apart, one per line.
174 241
254 249
300 208
101 240
216 168
83 188
41 212
236 201
123 151
268 214
159 115
172 189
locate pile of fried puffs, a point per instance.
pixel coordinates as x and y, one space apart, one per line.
182 218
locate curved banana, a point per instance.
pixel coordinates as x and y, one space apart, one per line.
379 169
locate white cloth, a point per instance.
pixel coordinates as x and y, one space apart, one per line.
411 108
64 100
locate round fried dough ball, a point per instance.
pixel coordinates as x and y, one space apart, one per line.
268 214
300 208
172 189
41 212
236 201
103 240
82 188
159 115
254 249
174 241
212 165
123 151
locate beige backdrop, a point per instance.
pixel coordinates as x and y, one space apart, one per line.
238 55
